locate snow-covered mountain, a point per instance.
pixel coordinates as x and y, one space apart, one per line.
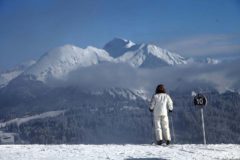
107 108
151 56
142 55
62 60
7 76
58 62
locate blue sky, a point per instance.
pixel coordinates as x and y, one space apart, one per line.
28 28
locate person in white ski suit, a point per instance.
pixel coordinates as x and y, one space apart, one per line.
160 105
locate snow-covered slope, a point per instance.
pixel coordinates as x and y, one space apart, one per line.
121 93
147 55
142 93
119 152
20 121
142 55
7 76
62 60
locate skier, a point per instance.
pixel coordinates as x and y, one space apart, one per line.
160 104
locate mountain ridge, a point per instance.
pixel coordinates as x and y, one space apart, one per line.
58 62
62 60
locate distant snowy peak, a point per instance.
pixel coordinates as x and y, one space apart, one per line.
211 61
166 56
118 46
7 76
58 62
141 55
150 56
62 60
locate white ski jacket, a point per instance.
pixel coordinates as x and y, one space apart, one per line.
160 104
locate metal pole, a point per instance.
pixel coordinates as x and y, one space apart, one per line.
172 129
203 127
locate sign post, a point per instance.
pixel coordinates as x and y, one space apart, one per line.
201 101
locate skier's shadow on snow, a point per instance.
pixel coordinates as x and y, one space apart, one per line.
145 159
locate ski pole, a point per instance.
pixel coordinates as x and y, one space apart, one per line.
171 119
153 132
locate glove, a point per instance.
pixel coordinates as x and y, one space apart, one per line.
151 110
170 111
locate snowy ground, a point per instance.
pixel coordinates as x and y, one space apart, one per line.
118 152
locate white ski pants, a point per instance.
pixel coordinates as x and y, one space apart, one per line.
161 124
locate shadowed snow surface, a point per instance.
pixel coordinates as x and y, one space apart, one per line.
118 152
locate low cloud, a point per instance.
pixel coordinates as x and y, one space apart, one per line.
101 76
224 76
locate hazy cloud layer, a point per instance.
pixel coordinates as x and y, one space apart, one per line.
224 76
208 45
